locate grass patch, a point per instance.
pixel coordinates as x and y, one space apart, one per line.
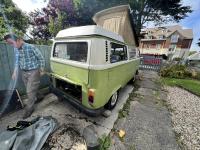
105 142
180 141
191 85
132 147
124 112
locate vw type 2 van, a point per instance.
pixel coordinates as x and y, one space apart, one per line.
90 65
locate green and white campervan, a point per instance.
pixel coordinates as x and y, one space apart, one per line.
90 65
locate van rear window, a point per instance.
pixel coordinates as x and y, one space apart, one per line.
76 51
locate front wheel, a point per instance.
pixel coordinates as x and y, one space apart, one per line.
113 101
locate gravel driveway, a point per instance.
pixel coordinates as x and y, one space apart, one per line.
185 117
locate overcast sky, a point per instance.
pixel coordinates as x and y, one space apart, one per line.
192 21
30 5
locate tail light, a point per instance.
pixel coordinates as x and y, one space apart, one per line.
91 93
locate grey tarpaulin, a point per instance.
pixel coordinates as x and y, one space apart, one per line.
30 138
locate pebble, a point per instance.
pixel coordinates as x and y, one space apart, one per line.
185 116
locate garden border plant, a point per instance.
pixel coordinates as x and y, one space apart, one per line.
181 76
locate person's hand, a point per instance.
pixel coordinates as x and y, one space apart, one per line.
14 75
42 72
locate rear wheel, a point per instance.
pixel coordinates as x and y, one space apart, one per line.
113 101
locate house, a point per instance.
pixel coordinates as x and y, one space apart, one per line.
170 41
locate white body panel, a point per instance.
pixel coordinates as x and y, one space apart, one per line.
96 59
88 30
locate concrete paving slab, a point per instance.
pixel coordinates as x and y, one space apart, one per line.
145 92
148 125
150 84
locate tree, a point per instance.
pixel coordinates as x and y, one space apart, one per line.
12 19
46 22
56 16
55 24
80 12
143 11
158 11
39 23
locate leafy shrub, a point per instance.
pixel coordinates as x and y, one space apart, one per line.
176 71
196 75
192 52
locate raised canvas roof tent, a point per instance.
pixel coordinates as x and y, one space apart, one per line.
118 20
86 31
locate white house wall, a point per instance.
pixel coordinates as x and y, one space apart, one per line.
154 51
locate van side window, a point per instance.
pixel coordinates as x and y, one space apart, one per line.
76 51
118 52
132 53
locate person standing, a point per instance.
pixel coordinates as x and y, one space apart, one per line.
31 62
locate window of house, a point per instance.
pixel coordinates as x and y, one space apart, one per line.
153 45
160 37
158 46
76 51
149 37
118 52
149 32
172 47
174 38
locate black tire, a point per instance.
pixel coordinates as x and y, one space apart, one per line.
113 101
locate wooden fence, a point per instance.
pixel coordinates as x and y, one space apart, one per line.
152 63
7 64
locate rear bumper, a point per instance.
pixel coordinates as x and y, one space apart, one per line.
76 104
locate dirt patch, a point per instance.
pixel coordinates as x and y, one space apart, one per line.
65 138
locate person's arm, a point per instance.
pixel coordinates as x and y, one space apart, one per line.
40 58
16 65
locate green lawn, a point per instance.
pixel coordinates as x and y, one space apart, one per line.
188 84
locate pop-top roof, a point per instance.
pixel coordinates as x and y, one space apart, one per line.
86 31
119 20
